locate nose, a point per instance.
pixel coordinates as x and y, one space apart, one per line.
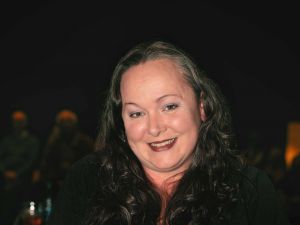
156 125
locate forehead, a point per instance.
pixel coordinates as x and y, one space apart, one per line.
153 79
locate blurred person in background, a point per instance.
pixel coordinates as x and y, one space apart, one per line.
65 145
19 151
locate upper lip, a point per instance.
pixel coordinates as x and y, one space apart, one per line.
157 142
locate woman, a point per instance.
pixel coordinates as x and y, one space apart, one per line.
166 153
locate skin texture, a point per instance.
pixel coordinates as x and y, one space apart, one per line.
158 105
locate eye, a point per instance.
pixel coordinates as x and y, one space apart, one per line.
170 107
136 114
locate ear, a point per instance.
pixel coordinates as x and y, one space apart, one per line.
202 111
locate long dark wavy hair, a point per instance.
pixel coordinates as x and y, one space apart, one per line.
206 192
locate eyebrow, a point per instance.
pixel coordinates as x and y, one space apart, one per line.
131 103
168 95
157 100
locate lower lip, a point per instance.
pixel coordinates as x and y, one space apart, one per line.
163 148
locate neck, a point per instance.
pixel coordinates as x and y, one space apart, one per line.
165 185
164 182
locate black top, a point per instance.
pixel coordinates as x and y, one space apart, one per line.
259 205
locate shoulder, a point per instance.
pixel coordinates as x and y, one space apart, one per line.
261 198
85 167
87 161
82 177
256 184
254 175
77 191
257 181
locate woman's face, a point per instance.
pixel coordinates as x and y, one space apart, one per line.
161 116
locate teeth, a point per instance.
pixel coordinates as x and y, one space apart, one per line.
162 143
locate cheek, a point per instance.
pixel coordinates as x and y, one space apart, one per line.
135 131
185 122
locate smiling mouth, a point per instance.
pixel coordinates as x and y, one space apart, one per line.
159 146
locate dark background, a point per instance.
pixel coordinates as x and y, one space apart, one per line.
60 54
